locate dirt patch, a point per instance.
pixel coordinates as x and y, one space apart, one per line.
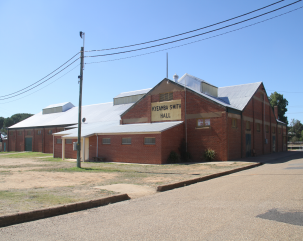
32 179
134 191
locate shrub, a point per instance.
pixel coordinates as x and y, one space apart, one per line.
209 154
173 157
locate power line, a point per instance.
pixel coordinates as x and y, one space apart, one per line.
42 87
42 78
139 55
40 83
174 41
132 45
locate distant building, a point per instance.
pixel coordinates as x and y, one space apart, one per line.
145 126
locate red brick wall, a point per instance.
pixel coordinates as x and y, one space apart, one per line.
69 153
234 138
12 140
58 147
137 152
171 141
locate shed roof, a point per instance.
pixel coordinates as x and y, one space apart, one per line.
106 128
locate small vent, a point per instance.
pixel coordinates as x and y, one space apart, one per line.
127 141
106 141
166 96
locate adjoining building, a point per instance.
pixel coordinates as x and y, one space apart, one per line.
187 114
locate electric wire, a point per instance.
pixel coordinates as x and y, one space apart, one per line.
41 82
174 41
132 45
42 78
134 56
43 86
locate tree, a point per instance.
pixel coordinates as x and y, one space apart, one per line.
14 119
276 99
296 127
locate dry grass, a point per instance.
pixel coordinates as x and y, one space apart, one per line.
31 181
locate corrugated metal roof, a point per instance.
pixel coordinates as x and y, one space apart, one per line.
281 122
56 105
92 113
130 93
116 128
238 95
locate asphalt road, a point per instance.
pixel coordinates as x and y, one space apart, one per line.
263 203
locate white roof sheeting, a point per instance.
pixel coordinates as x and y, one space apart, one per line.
92 113
130 93
106 128
238 95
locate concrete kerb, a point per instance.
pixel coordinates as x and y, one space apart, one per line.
202 179
59 210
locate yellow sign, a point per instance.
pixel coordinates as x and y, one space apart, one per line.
167 110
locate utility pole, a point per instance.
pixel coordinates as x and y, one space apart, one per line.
80 103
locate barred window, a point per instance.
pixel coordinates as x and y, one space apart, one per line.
273 130
234 123
166 96
150 141
59 141
19 133
50 132
69 141
247 125
29 133
39 132
127 141
106 141
258 126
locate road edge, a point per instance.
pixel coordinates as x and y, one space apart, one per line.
18 218
167 187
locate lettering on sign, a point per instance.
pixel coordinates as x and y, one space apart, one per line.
167 110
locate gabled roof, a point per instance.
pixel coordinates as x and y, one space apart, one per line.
135 92
105 128
238 96
92 113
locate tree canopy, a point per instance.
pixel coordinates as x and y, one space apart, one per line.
14 119
276 99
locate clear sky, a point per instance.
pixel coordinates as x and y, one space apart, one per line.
39 36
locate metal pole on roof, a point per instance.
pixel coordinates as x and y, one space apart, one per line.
82 35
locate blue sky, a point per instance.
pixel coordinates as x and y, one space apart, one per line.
39 36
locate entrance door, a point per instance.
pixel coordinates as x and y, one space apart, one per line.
248 145
274 144
4 146
28 144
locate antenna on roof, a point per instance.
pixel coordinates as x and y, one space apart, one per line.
166 65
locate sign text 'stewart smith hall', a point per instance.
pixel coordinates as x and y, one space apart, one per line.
144 126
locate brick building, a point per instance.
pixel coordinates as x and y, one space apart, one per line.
145 126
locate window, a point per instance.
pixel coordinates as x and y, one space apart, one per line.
19 133
127 141
49 132
247 125
106 141
203 123
166 96
69 141
150 141
266 128
28 133
39 132
273 130
234 123
59 141
258 127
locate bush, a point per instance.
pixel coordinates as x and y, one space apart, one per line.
209 154
173 157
